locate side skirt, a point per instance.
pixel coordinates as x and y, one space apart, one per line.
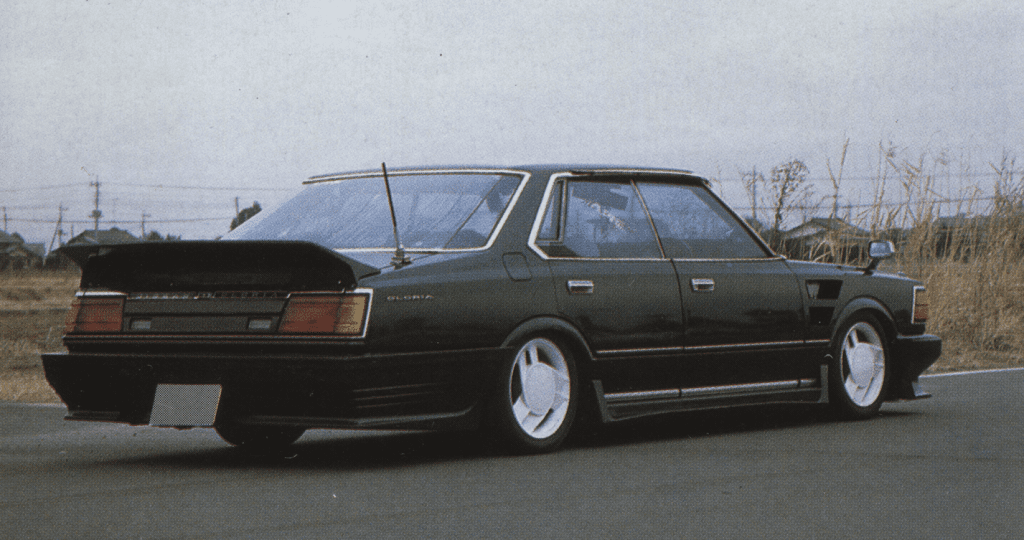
628 405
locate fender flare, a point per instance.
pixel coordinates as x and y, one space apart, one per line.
549 325
865 303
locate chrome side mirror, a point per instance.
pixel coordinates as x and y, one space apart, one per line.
879 251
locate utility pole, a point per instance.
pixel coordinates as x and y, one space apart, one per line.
236 206
58 231
5 219
144 216
96 214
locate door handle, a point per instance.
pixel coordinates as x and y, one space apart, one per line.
580 286
702 285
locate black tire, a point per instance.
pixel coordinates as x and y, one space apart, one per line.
861 368
538 391
258 437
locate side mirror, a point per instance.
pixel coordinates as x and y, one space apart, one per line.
879 251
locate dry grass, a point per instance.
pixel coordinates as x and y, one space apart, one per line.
32 309
972 264
35 290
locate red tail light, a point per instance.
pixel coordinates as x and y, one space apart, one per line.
94 314
326 314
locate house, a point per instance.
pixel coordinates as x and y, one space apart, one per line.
15 254
961 235
109 236
89 237
826 239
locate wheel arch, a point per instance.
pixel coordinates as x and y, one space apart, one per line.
552 326
866 304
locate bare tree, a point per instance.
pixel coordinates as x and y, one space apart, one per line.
787 187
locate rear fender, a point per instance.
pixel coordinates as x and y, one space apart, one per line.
551 325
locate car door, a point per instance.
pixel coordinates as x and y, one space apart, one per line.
741 303
609 275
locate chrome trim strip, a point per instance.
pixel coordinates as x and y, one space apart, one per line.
738 389
607 352
641 396
100 294
637 170
749 260
734 346
410 172
712 391
537 221
552 180
706 348
539 218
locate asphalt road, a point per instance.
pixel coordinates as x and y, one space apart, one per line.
948 467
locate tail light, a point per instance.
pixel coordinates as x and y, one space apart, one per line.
920 305
94 314
326 314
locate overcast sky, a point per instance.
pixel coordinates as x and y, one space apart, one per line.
248 98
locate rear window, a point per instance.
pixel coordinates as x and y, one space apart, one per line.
433 211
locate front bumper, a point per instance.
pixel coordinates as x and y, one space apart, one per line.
432 390
913 355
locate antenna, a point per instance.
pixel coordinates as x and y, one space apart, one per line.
400 259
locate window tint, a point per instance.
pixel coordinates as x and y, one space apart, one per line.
553 215
433 211
607 220
693 225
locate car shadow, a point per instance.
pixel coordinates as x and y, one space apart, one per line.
341 450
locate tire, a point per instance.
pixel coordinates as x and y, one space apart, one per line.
537 397
258 437
860 372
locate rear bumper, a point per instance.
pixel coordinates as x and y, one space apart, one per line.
436 390
913 355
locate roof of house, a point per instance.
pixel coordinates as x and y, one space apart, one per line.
9 238
819 226
109 236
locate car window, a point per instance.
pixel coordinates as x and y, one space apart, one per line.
694 225
602 220
434 211
552 223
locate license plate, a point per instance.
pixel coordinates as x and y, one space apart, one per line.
185 405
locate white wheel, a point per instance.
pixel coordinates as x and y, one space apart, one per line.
860 373
536 399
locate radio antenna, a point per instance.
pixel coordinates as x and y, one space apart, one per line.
400 259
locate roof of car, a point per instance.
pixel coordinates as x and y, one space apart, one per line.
532 168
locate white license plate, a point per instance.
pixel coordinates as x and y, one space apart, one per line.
185 405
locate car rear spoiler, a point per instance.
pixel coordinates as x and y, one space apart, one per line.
211 265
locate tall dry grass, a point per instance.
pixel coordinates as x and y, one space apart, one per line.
32 308
968 250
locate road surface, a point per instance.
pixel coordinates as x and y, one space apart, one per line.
948 467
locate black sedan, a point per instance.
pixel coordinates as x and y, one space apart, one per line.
514 299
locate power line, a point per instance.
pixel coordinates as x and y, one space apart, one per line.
122 221
59 186
200 188
889 204
151 186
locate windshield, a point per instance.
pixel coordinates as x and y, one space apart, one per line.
433 211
